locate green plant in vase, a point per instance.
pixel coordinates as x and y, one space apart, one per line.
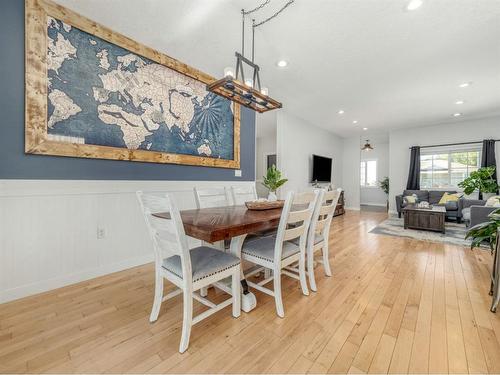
273 181
480 180
485 232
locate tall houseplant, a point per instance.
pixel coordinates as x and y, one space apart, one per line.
485 232
273 181
384 185
481 180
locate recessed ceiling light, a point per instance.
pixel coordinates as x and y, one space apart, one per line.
414 4
341 112
365 128
355 122
459 102
465 84
282 63
458 114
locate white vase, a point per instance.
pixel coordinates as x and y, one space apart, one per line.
272 196
486 196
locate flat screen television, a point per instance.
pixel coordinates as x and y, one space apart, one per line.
322 169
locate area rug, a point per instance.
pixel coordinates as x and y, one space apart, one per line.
393 226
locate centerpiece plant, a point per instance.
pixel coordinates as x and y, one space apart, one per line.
273 181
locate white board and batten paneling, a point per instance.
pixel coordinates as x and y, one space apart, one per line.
54 233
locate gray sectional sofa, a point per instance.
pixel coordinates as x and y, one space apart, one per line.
433 197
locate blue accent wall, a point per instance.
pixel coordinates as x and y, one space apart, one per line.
15 164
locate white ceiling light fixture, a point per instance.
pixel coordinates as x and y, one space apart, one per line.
282 63
414 4
465 84
355 122
458 114
365 128
341 112
459 102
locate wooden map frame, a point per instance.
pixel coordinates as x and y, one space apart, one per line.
36 142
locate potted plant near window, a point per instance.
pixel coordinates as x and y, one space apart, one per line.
273 181
482 181
384 185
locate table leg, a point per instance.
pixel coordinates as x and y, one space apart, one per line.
248 300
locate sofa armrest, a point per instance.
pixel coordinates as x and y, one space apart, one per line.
465 203
479 214
399 202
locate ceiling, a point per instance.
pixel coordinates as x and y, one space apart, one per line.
384 66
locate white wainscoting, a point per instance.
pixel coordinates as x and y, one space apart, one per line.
49 230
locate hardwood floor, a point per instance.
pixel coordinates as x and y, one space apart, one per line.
393 305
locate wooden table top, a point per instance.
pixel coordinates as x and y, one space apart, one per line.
435 208
220 223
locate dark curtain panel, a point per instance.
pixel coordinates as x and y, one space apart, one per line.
488 157
414 173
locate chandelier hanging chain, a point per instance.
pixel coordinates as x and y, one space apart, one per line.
247 12
289 2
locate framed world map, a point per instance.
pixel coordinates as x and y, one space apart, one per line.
94 93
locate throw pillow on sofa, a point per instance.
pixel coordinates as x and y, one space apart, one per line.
448 197
410 199
493 201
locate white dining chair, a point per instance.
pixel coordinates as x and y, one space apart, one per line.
277 252
242 194
209 198
188 269
319 232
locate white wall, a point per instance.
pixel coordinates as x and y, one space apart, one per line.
350 172
48 230
402 139
375 195
264 146
297 141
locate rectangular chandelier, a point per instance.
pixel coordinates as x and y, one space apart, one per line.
245 92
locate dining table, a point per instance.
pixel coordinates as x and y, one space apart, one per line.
233 223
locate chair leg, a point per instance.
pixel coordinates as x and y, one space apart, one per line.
277 293
326 259
310 270
204 291
155 311
302 273
186 319
236 291
267 273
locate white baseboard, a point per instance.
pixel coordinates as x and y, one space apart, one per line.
374 204
352 208
61 281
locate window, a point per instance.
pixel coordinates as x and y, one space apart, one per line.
445 169
368 171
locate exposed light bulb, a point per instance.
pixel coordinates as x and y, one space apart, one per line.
365 128
341 112
457 114
229 72
355 122
465 84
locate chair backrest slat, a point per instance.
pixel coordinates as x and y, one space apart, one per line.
291 214
242 194
323 214
208 198
167 234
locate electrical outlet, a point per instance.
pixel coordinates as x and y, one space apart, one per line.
101 233
237 173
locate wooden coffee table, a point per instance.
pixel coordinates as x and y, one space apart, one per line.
431 219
